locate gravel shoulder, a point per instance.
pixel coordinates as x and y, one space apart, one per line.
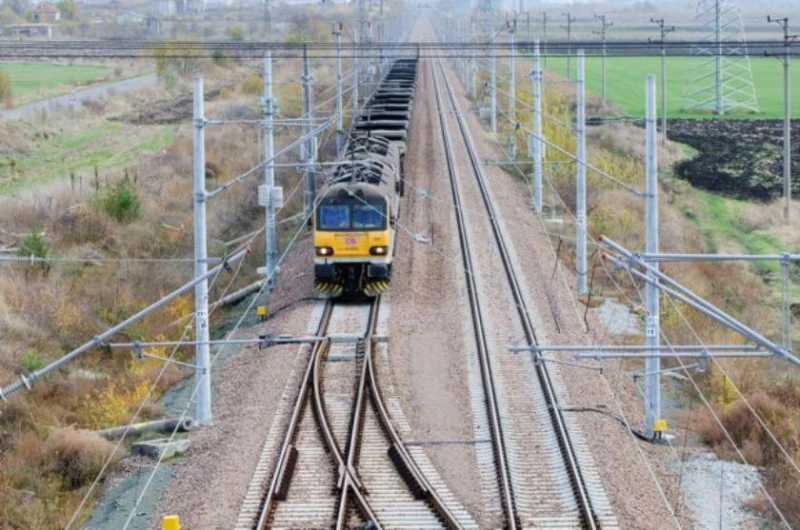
429 331
210 484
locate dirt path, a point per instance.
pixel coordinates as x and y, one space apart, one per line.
76 98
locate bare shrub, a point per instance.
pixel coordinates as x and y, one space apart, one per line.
96 106
76 456
784 485
252 85
80 224
6 92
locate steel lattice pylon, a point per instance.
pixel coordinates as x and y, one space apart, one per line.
721 80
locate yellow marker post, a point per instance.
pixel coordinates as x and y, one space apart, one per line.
171 522
660 426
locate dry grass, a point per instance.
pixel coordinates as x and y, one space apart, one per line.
44 314
74 455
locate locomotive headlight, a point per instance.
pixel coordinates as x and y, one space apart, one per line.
378 251
324 251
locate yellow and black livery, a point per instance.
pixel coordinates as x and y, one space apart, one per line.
356 214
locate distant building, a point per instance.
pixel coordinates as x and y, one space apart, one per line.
29 30
164 7
191 7
130 17
45 12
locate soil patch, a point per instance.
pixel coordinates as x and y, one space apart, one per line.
737 158
168 111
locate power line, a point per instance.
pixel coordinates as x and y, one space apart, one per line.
568 27
369 50
664 31
603 27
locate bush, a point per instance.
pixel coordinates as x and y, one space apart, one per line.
219 58
122 202
236 33
6 89
31 361
35 245
76 456
252 85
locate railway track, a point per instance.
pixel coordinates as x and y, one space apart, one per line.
341 462
545 477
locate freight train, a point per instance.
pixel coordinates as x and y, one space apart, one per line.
356 216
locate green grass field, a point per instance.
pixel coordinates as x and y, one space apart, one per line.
626 77
32 77
107 146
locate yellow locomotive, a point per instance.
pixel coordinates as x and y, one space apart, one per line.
356 215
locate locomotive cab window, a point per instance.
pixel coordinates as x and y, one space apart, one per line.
334 217
369 216
352 216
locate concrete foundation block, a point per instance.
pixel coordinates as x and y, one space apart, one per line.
161 448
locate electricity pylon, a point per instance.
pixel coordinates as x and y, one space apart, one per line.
721 80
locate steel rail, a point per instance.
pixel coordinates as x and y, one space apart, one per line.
310 387
369 391
492 405
576 478
356 422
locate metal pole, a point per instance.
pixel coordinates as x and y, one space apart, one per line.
537 129
462 61
787 131
580 163
493 88
26 381
663 94
603 74
652 325
530 35
473 69
718 15
202 357
356 76
381 58
544 37
512 78
269 174
787 299
339 103
683 294
568 27
664 31
603 27
310 192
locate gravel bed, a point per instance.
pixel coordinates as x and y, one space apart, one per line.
211 482
559 320
707 480
429 330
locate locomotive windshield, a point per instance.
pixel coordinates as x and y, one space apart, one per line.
334 216
354 216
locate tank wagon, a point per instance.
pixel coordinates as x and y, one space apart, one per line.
356 216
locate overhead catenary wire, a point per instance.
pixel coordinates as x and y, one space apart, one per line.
781 515
228 335
142 49
250 238
621 412
707 402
